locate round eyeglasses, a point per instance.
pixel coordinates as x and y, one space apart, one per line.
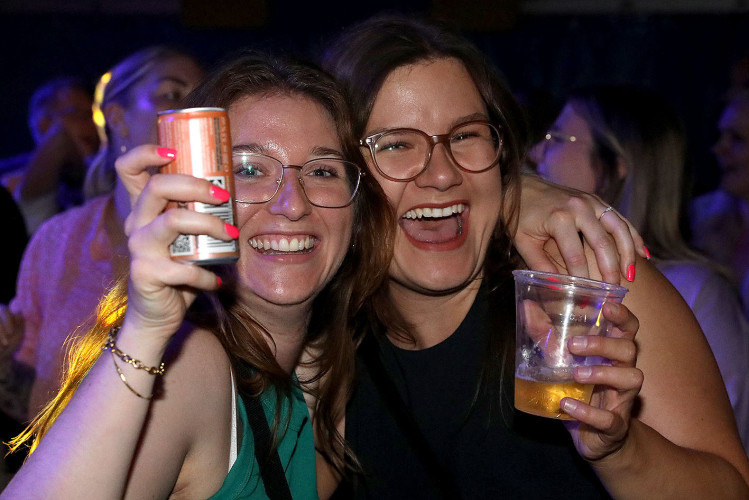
327 182
402 154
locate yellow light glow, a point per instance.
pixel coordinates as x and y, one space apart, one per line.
99 119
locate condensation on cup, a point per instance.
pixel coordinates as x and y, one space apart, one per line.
202 139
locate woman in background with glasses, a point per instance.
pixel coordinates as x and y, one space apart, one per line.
313 237
431 413
627 145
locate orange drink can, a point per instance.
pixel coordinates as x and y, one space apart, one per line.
202 139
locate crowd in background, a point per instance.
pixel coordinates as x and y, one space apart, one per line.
66 209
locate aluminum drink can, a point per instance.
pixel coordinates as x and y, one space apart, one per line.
203 142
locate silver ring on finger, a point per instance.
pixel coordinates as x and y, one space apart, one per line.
607 209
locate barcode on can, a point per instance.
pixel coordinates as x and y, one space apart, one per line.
224 212
183 245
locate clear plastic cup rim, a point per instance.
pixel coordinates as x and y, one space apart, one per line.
567 282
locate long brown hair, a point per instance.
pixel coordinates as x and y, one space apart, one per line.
638 156
329 337
362 58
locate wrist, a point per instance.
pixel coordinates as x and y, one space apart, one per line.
144 343
627 461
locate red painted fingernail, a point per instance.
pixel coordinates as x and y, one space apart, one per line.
647 252
220 193
219 281
231 231
631 272
167 152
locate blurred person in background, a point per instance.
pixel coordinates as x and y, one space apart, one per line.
628 146
75 256
49 179
720 219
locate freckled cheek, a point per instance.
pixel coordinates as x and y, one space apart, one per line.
245 214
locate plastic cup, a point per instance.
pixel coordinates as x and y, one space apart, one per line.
550 309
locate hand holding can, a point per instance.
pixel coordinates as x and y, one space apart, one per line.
203 139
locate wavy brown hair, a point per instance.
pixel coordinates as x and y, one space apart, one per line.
362 58
329 339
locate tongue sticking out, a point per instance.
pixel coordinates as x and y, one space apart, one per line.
437 230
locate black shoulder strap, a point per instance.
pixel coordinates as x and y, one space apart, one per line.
276 486
441 477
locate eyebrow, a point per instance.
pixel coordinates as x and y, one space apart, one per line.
318 151
453 124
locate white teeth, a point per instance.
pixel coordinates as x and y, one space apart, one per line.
419 213
295 244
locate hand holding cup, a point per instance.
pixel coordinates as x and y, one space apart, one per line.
551 309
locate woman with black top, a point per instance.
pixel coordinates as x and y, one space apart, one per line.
431 413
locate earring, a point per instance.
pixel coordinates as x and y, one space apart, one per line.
123 149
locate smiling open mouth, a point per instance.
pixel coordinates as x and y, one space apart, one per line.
276 245
434 225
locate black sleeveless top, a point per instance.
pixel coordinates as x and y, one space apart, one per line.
510 455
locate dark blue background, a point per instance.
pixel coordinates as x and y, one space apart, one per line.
687 57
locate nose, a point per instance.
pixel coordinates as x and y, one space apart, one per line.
441 172
290 200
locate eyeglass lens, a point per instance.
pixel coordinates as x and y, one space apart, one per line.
327 182
403 154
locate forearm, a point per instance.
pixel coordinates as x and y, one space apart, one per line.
650 466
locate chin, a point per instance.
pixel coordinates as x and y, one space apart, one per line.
441 283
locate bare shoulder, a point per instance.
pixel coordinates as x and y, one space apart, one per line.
198 375
190 418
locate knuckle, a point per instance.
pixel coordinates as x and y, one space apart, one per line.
577 204
139 270
120 163
129 224
602 243
191 274
157 184
576 259
561 218
638 377
173 217
609 421
630 351
135 242
635 322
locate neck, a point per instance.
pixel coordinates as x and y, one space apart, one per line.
287 326
432 318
